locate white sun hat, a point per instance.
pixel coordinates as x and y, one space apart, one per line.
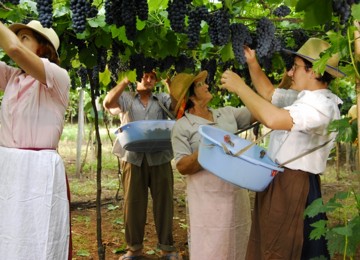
47 33
311 51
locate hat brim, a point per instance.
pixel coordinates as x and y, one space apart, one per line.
188 82
201 76
15 27
330 69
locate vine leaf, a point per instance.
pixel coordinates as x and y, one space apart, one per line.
312 15
355 11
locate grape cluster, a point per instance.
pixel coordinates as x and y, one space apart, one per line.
342 9
142 9
73 81
45 10
193 31
177 10
266 64
14 2
219 27
240 36
267 61
136 63
142 65
300 37
128 14
227 65
265 31
166 63
244 73
210 66
184 62
150 64
287 58
93 11
83 76
79 9
115 65
351 2
112 13
79 43
282 11
276 46
101 59
124 13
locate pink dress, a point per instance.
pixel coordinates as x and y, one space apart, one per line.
34 202
32 114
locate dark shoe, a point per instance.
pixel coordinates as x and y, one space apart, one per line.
172 256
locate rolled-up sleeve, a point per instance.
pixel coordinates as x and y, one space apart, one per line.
57 80
312 113
180 140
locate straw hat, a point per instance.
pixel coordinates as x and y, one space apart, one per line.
47 33
311 51
180 85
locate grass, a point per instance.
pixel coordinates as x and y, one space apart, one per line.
86 184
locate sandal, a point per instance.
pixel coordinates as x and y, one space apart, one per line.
124 257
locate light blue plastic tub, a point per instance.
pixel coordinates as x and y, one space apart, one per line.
251 170
146 135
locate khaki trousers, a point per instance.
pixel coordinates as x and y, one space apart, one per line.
137 181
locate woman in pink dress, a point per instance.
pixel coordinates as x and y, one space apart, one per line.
34 195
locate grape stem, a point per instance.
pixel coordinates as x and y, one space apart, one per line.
3 6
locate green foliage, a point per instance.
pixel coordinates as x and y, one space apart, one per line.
344 237
347 130
312 16
83 252
155 38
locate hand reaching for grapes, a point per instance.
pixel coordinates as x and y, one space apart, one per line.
231 81
250 55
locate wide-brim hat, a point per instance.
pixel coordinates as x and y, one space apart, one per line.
48 33
180 85
311 51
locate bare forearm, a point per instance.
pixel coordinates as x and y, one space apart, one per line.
189 164
265 112
112 97
21 55
260 81
7 38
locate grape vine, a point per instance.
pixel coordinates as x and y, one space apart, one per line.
240 36
177 10
265 31
193 31
282 11
219 27
79 9
45 10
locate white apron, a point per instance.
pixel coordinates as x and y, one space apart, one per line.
34 207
